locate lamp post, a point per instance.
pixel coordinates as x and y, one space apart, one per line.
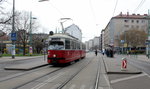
13 34
30 47
62 20
30 33
148 46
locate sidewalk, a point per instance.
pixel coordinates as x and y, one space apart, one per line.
126 79
140 57
25 65
6 59
113 66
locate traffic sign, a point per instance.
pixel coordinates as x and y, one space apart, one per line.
13 36
122 41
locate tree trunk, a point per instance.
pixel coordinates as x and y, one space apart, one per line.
24 49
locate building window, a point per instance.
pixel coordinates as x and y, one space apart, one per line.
137 27
143 21
126 21
126 26
137 21
132 26
132 21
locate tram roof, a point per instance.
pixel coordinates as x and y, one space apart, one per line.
60 35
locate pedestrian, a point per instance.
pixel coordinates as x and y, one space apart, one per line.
103 51
96 52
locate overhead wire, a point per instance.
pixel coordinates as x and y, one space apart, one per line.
92 10
57 10
139 6
115 7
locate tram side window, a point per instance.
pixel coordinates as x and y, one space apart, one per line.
73 45
83 47
67 44
78 45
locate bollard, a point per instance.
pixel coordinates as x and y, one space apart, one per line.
124 64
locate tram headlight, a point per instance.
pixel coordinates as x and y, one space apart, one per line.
54 55
48 53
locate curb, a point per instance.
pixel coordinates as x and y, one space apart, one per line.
108 71
30 68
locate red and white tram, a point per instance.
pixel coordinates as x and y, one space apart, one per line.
63 48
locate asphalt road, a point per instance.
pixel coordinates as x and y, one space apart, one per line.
50 77
142 65
132 81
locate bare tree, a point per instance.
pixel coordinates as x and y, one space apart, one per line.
22 27
5 17
38 43
134 37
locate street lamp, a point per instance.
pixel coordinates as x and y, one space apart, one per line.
148 46
13 34
43 0
62 20
30 47
30 33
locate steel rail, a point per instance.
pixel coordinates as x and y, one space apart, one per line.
97 75
69 79
38 78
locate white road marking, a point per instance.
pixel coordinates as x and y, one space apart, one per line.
48 80
73 86
55 86
127 78
106 78
147 74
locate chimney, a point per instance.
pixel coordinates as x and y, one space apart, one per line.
138 14
120 13
127 13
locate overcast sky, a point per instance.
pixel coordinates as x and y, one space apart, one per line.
90 15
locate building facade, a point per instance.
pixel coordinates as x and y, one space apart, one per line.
96 42
121 23
75 31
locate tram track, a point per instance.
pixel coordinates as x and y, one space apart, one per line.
69 79
45 75
17 87
96 84
21 74
97 75
55 75
18 76
62 74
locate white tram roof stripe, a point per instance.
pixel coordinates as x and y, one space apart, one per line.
60 35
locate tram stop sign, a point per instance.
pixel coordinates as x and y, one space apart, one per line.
13 36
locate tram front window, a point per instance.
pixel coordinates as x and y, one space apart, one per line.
56 45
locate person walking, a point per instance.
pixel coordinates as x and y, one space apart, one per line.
96 52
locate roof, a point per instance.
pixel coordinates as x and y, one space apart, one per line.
61 35
132 16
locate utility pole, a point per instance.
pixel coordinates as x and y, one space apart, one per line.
148 46
13 34
30 47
